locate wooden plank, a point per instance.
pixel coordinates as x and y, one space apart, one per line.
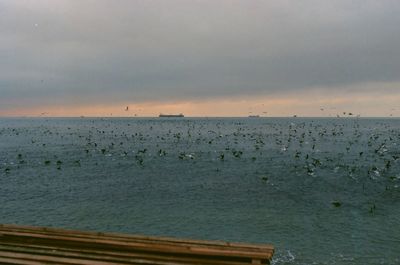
144 246
26 258
151 240
59 246
52 259
16 261
105 255
104 243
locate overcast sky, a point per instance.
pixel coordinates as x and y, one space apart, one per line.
68 54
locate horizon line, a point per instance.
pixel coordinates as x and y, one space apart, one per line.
166 118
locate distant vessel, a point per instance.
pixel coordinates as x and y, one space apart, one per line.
254 116
171 115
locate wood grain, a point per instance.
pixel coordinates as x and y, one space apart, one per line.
41 245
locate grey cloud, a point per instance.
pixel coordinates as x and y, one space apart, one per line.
76 52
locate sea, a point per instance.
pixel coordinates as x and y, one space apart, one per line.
321 190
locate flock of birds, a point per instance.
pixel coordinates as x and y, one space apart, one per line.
364 153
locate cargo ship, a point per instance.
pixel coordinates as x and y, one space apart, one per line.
171 115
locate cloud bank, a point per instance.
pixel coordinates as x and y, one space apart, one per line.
96 51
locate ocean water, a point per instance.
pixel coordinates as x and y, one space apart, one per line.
322 191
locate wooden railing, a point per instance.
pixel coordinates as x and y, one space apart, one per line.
40 245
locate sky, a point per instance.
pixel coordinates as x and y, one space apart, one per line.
199 57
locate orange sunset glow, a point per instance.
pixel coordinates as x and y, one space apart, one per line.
309 105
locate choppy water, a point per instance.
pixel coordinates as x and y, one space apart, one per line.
323 191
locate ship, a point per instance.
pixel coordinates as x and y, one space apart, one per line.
171 115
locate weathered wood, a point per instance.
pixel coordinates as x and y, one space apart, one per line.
38 245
